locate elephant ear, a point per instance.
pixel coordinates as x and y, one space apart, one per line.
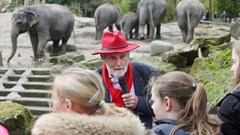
32 18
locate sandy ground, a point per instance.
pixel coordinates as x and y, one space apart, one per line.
85 41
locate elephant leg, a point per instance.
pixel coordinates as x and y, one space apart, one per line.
54 49
141 31
63 48
96 36
110 28
118 26
151 36
148 30
158 32
34 41
136 32
130 34
184 34
43 38
190 35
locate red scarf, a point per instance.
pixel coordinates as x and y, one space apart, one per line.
116 94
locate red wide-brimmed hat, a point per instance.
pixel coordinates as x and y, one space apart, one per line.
115 42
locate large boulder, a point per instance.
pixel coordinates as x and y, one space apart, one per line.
235 30
67 59
155 62
213 40
16 118
159 47
91 64
199 47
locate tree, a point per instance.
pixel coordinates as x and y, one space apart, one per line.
26 2
232 7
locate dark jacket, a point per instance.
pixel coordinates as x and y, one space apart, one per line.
141 75
229 113
164 127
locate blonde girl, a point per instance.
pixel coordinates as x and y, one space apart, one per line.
81 90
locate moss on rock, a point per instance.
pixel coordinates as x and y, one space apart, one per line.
16 118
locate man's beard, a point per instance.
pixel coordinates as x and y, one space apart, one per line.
116 73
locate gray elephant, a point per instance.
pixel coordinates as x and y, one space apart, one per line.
130 22
151 12
49 22
105 16
189 14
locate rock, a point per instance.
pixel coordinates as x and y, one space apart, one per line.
155 62
235 30
213 40
67 59
70 48
174 58
1 59
92 64
16 118
158 47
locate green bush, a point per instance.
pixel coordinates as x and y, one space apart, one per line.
216 76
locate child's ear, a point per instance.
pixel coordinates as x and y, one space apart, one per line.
69 105
168 104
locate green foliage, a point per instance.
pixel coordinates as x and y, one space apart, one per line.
62 2
232 7
76 11
216 75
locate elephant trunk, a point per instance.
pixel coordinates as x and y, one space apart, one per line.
14 35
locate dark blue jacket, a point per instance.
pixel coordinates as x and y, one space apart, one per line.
141 75
229 113
164 127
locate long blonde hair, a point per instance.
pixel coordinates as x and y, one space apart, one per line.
192 101
79 85
236 48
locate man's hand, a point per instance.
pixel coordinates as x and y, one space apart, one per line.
130 100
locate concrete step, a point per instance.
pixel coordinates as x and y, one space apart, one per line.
29 101
36 110
28 93
34 78
35 71
36 93
29 85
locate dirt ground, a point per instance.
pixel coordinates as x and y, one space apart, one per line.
85 40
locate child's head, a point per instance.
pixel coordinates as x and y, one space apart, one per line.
236 62
176 95
173 92
74 90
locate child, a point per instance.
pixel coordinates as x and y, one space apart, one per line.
229 111
3 130
80 91
180 106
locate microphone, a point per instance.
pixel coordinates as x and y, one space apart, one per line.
122 83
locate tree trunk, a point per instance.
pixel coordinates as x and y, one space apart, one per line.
43 1
26 3
36 1
174 9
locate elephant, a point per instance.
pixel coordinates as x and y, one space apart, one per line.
105 16
130 22
151 12
45 22
189 14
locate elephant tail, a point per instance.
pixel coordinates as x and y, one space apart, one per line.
189 19
74 35
150 7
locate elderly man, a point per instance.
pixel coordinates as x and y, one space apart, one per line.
115 53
